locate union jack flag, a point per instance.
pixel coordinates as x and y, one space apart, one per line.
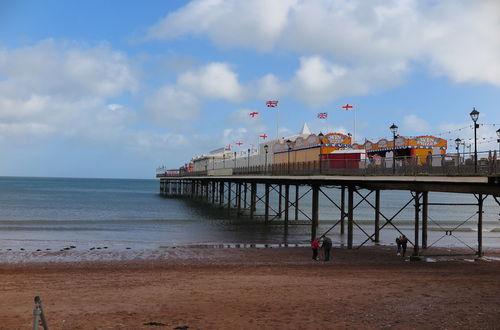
323 115
272 104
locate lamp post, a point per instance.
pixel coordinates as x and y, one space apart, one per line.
289 144
498 140
474 116
235 159
394 130
265 167
224 160
457 142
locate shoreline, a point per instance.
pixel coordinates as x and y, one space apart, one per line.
253 288
210 253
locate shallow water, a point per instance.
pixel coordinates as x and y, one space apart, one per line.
43 213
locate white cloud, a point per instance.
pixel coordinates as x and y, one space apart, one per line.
458 38
414 124
169 104
257 23
215 80
60 89
318 81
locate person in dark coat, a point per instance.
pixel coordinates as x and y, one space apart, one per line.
404 242
398 242
326 246
315 247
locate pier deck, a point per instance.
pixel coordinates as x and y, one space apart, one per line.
241 193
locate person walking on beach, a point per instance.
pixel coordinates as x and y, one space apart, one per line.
404 242
314 247
398 242
326 246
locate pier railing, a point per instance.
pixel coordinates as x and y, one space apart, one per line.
488 164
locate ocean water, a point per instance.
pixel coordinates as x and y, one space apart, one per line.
50 213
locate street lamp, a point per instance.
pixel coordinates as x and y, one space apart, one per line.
474 116
265 148
498 140
224 160
457 142
235 159
289 144
394 130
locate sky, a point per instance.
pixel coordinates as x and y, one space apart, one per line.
117 88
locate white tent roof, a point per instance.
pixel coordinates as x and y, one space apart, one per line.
305 130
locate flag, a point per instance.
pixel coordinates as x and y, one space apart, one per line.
253 114
272 104
323 115
347 107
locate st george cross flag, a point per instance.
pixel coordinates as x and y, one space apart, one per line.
272 104
323 115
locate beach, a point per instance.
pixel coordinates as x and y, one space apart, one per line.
249 288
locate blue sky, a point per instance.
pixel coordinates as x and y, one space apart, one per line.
117 88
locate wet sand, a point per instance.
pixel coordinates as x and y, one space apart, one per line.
279 288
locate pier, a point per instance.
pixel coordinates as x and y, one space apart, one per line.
249 195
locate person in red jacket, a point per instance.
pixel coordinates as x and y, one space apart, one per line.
315 247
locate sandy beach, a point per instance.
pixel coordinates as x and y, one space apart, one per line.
270 288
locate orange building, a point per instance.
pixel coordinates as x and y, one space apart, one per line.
308 148
420 146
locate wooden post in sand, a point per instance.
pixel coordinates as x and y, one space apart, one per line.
39 315
315 211
350 215
377 215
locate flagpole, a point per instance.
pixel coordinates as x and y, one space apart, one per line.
277 123
354 133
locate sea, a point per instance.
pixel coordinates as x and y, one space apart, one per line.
52 213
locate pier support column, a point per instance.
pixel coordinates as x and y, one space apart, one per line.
266 203
280 194
287 204
315 211
416 252
253 198
245 188
229 194
425 212
296 202
238 198
350 215
342 210
480 226
377 216
221 193
213 192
